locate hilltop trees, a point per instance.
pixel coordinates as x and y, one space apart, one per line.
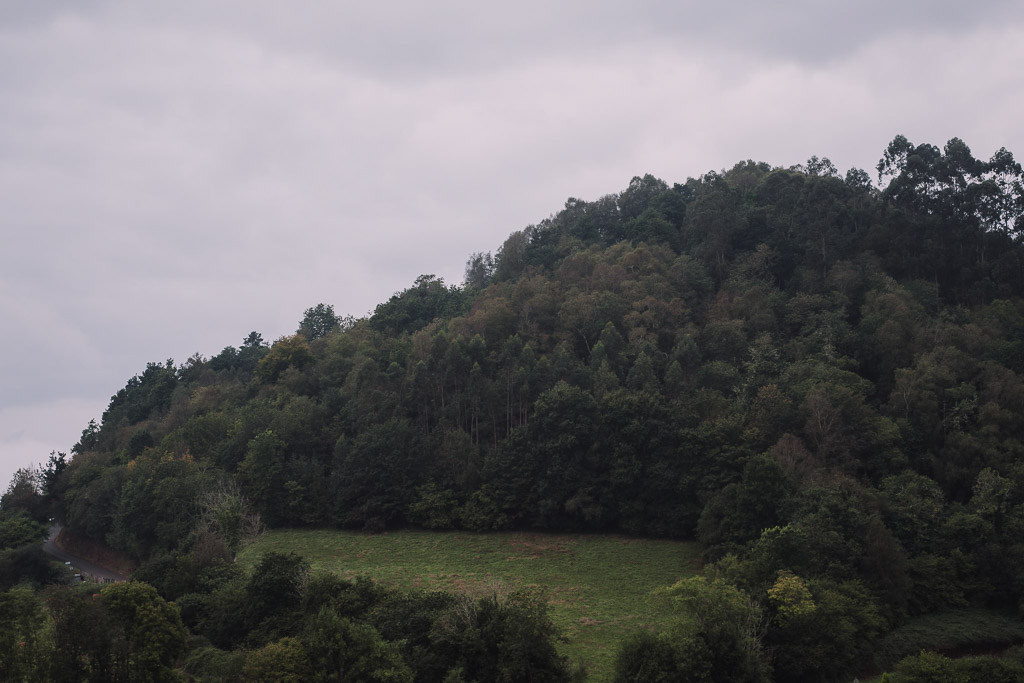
974 210
318 321
479 270
748 304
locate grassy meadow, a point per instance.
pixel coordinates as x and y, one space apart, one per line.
597 585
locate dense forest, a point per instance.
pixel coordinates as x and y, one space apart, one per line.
818 378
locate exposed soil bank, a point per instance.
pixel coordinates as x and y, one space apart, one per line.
94 553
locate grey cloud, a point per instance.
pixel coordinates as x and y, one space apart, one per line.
416 40
459 35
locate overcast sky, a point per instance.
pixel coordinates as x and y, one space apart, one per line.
176 175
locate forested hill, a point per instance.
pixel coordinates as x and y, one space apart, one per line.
618 366
821 376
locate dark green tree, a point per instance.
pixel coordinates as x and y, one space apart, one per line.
479 270
318 321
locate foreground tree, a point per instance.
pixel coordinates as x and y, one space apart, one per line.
501 638
26 644
715 637
147 633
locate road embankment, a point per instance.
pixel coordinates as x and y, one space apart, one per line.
87 557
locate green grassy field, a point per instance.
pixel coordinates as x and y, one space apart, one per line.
597 585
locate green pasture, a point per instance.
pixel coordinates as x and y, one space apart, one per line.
597 585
